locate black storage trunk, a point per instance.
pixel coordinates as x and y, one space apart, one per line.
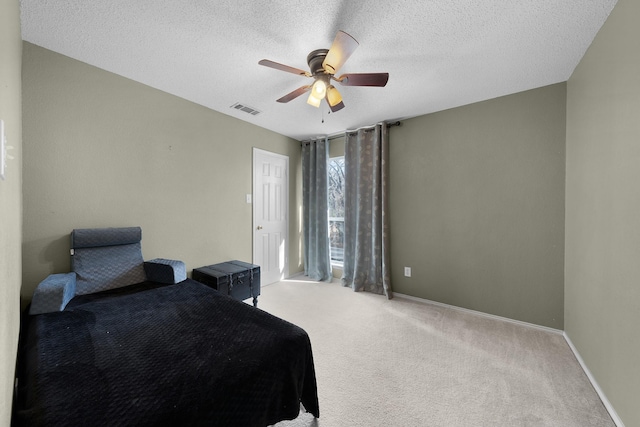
237 279
254 272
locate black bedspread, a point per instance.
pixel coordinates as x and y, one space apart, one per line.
149 355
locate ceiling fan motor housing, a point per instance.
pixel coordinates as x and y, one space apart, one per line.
315 60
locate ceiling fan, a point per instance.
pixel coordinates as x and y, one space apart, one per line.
323 64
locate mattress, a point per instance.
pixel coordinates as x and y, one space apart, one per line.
152 354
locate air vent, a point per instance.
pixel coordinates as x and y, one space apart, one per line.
246 109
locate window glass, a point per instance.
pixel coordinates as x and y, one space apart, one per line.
336 209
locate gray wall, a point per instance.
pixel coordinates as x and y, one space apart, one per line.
104 151
602 281
478 192
10 201
477 206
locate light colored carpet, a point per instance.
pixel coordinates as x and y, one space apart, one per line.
408 363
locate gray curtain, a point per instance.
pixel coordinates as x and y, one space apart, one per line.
315 220
366 221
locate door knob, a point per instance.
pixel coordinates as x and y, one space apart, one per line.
259 227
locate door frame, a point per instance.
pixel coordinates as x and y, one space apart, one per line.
285 271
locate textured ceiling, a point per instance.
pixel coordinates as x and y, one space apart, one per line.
439 53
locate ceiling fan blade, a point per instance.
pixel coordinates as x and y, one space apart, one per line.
364 79
341 49
282 67
296 93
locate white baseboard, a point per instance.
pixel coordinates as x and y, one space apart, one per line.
612 412
300 276
480 313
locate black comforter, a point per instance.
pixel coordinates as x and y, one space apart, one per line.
150 354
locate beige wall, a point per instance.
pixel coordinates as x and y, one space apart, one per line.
10 201
101 151
602 281
336 146
477 206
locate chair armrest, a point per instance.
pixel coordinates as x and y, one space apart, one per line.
53 293
165 270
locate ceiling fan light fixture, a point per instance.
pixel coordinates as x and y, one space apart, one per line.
333 96
319 89
341 49
312 100
323 64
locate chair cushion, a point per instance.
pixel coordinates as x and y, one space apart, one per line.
96 237
106 258
53 293
165 270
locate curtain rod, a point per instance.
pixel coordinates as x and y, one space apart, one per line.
340 135
389 125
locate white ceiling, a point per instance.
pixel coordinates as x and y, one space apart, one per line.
439 53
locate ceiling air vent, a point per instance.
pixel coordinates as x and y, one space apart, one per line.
246 109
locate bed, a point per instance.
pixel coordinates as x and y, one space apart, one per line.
151 353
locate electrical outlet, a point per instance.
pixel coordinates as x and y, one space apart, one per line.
407 272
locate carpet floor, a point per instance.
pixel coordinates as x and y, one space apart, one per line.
407 363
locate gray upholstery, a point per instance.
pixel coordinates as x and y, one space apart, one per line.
106 258
53 293
165 270
96 237
101 259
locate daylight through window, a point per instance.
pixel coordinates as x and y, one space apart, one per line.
336 209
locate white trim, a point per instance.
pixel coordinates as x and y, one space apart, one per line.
253 208
612 412
480 313
298 274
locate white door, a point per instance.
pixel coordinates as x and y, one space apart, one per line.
270 215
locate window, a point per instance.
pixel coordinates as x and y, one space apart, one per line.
336 209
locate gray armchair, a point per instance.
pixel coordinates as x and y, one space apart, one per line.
102 259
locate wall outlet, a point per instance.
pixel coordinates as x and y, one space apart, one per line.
407 272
